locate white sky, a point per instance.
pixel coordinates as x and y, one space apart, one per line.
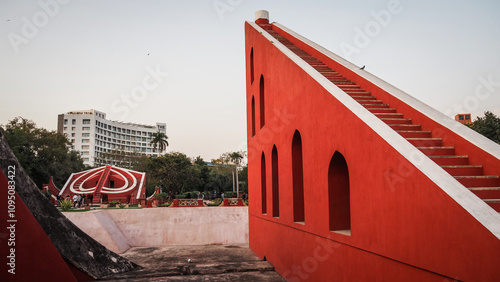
92 54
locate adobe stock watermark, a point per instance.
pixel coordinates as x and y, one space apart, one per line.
224 6
485 88
12 220
407 168
373 28
31 27
311 263
150 82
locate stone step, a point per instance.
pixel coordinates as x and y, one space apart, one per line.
405 127
358 92
486 192
381 110
450 160
414 134
426 142
463 170
393 121
494 203
340 81
360 98
389 115
370 101
479 181
349 86
371 105
437 151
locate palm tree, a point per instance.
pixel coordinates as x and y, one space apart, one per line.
236 157
159 139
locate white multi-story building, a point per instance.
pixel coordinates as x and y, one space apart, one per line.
94 136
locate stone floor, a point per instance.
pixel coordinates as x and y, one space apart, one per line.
197 263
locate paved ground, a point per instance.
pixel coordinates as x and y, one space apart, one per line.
208 263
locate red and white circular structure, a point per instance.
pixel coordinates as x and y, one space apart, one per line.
117 183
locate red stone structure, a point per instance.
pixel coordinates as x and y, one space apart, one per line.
352 179
119 184
54 191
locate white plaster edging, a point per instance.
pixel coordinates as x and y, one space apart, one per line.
66 184
143 177
71 177
488 217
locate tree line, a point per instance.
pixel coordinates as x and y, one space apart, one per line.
44 153
488 126
41 153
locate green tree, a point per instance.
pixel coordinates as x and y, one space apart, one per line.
219 179
141 163
203 172
225 168
173 173
244 178
159 140
489 126
236 158
42 153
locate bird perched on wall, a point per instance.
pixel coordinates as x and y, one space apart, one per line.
362 68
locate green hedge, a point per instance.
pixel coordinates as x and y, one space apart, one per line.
229 194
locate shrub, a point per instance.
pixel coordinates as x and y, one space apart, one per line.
66 205
215 202
114 203
121 206
181 196
160 196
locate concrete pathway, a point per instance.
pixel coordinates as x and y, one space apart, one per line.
208 263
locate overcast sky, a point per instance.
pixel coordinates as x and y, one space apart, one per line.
182 62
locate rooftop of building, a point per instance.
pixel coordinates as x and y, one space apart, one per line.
103 115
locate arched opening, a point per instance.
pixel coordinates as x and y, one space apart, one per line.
298 178
253 116
275 176
251 66
261 98
339 194
263 183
